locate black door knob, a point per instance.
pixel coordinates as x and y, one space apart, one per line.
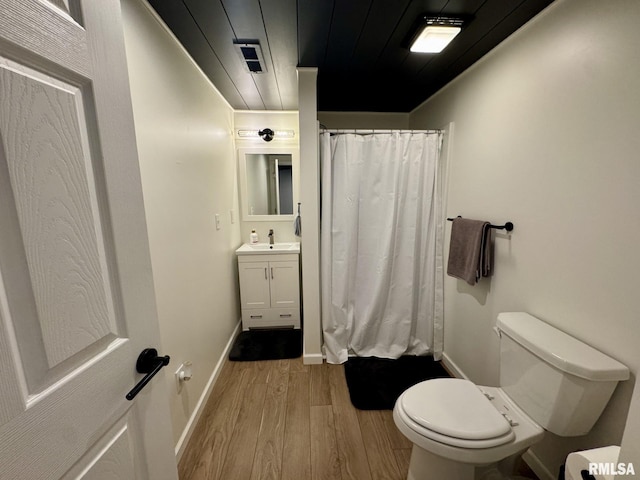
150 363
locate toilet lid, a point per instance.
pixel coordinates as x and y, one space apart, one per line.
455 408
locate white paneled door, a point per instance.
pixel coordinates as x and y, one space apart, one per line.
76 293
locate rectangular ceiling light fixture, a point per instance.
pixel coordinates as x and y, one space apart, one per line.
251 55
434 33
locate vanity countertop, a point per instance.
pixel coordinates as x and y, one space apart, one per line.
268 249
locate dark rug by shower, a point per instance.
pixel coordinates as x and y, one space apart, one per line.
253 345
376 383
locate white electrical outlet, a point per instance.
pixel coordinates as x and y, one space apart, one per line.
218 227
232 217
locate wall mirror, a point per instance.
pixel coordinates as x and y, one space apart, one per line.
267 181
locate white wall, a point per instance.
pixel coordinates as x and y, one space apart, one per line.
546 136
310 198
187 160
382 120
275 120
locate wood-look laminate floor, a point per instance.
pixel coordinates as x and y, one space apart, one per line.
283 420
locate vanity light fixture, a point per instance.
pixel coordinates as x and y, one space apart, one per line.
432 33
266 134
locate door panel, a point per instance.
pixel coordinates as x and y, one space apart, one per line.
254 284
285 289
44 439
50 205
76 292
110 457
113 462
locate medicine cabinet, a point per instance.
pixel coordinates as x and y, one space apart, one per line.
268 177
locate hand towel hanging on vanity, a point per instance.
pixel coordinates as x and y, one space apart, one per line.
470 250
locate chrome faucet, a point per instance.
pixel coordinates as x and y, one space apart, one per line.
271 237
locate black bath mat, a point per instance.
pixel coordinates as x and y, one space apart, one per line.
376 383
253 345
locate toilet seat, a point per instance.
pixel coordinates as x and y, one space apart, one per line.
454 412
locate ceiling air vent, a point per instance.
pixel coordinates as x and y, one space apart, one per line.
251 55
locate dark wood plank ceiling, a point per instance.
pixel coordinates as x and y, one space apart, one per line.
357 46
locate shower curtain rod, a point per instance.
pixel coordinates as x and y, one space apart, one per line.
368 131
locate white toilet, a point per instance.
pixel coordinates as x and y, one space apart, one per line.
548 381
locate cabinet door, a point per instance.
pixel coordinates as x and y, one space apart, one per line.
254 285
285 290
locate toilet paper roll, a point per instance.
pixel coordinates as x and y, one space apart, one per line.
578 461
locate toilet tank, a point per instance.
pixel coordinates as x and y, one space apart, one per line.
562 383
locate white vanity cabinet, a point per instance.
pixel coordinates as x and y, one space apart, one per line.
269 289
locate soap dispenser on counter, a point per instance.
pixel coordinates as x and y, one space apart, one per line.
253 238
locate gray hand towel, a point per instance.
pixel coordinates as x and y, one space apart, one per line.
469 250
297 224
486 251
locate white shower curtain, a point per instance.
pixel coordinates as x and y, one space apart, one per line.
381 245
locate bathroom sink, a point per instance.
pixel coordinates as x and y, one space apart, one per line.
265 248
275 246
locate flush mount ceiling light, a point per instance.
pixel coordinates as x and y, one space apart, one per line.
266 134
433 33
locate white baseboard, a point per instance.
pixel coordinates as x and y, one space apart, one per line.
195 416
312 358
536 465
452 367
